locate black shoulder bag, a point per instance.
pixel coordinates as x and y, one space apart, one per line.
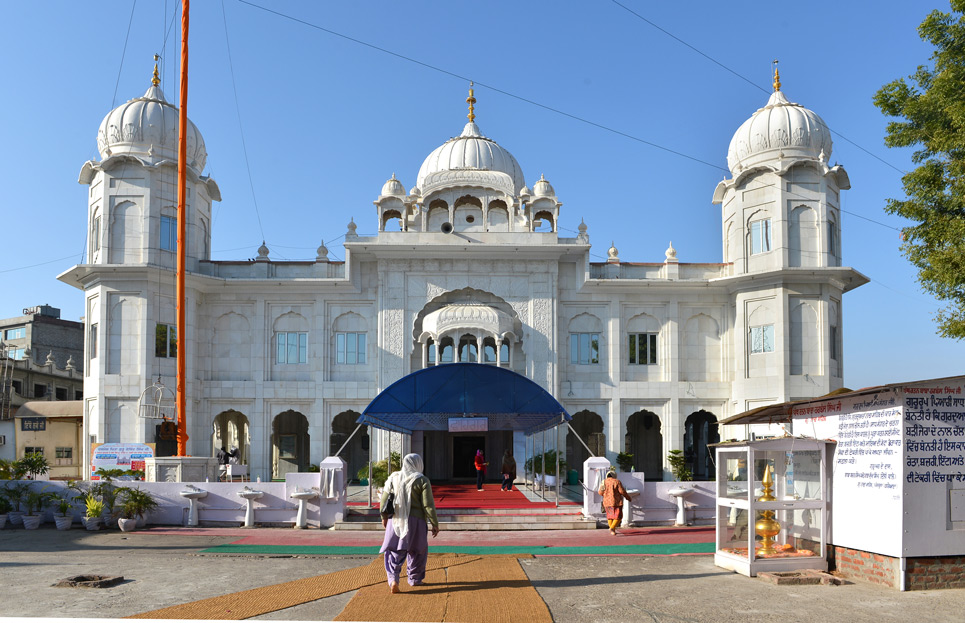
388 508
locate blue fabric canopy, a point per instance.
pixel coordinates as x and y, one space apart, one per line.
428 398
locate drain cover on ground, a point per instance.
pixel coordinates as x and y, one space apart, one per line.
90 581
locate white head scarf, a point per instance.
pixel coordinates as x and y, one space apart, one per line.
400 483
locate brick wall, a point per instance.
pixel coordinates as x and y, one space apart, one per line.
874 568
921 573
938 572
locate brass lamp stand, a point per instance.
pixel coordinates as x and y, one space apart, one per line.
767 527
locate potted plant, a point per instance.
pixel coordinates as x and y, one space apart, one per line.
625 461
137 504
32 465
15 492
107 492
380 470
544 467
76 490
6 470
5 507
64 503
549 465
35 503
678 466
94 510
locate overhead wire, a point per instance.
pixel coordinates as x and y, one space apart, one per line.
742 77
551 108
241 130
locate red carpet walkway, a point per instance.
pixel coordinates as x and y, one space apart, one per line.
466 496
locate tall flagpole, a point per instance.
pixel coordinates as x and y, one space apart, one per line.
182 175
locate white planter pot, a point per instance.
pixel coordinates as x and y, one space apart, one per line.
93 523
127 525
3 521
63 521
32 522
550 480
15 518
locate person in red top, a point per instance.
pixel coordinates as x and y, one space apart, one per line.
613 494
480 469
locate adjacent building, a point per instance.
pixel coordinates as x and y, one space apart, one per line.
41 358
467 265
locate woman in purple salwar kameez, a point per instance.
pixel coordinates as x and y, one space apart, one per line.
406 532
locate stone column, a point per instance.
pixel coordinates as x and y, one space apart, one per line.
499 352
479 350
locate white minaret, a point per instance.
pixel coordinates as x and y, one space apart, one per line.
781 232
128 274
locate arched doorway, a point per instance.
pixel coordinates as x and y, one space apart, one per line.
645 442
700 429
356 453
589 426
230 430
289 444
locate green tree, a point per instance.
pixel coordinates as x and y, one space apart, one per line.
929 108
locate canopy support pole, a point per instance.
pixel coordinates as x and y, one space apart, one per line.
370 469
577 435
348 440
556 430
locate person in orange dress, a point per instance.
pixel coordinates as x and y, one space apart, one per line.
613 494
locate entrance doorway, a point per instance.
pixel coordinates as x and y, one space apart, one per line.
463 453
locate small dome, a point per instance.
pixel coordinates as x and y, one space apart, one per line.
780 130
467 316
393 187
542 188
148 126
471 158
525 192
415 192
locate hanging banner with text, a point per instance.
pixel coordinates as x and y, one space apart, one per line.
468 424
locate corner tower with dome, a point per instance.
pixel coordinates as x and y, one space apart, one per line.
284 356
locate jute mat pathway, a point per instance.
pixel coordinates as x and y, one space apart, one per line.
257 601
494 589
457 587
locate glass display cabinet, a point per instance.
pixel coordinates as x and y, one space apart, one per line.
772 505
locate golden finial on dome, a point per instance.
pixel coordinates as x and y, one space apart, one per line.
156 80
777 77
472 104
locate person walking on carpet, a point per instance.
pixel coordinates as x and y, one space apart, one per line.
406 525
480 469
613 494
509 470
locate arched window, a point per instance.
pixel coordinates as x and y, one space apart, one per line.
446 350
467 349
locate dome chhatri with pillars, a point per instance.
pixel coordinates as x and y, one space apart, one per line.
468 316
471 158
147 126
778 131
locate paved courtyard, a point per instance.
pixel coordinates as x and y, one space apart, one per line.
166 567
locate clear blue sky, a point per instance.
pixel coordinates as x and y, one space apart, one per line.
326 121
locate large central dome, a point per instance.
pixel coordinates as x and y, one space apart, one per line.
472 159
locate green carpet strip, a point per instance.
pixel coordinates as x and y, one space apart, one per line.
334 550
